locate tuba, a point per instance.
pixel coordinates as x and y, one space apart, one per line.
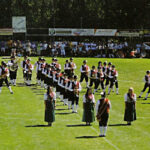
14 66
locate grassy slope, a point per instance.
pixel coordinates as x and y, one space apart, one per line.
26 108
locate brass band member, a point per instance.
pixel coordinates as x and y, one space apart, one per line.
13 68
76 86
71 67
28 69
4 73
102 110
23 63
84 72
99 80
92 76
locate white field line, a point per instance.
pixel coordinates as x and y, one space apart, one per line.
109 142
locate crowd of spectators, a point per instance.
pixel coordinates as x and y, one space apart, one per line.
111 49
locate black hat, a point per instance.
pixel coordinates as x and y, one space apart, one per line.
85 61
105 63
3 63
109 63
99 62
75 77
71 58
93 67
113 66
67 60
147 71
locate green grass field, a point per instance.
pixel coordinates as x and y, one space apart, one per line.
22 111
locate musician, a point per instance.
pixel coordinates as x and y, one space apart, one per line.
102 110
130 106
57 66
50 102
13 68
72 66
84 72
104 69
69 90
92 76
113 74
44 75
43 65
28 69
88 107
76 88
99 80
66 67
53 64
99 65
38 70
4 73
146 80
107 74
63 91
23 63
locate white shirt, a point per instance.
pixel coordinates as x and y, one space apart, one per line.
126 97
82 71
45 96
98 103
92 101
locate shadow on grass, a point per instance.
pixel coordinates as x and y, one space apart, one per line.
87 137
116 125
65 113
60 105
37 126
60 109
39 93
145 103
78 125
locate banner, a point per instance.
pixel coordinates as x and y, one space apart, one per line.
82 32
6 31
19 24
128 33
105 32
60 32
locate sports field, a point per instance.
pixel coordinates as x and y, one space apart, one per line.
22 125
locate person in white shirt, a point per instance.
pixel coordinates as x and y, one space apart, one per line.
130 106
102 113
84 72
75 88
4 73
28 69
50 102
88 107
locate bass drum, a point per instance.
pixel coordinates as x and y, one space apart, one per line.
120 54
143 53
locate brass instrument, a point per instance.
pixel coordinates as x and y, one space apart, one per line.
14 66
76 91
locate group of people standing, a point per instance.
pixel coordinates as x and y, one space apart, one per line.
65 86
